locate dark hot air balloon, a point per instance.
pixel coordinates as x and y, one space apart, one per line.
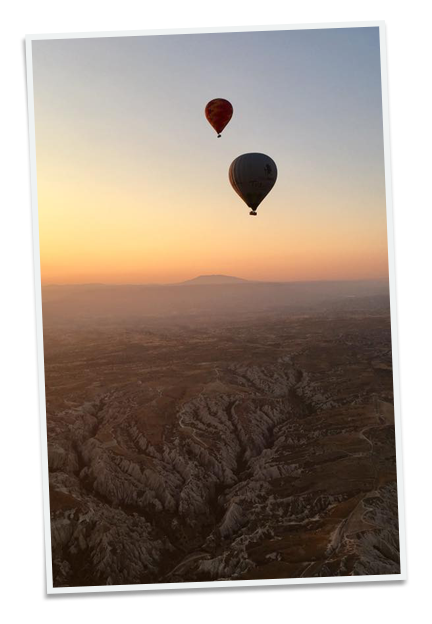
253 176
219 113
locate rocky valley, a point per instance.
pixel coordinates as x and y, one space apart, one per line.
254 442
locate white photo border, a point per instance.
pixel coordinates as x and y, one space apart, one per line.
63 29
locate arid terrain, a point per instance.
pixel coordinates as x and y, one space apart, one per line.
207 432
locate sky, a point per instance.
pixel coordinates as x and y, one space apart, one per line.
133 182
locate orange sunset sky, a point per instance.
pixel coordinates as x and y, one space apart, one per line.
133 183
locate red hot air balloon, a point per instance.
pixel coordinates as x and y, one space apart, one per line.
218 113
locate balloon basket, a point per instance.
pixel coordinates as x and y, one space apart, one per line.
253 213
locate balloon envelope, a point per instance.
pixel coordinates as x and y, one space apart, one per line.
253 176
219 113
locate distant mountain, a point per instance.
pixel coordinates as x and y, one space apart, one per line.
207 297
213 279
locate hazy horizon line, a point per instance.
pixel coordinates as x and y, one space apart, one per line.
241 280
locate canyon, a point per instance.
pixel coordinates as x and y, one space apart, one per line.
232 443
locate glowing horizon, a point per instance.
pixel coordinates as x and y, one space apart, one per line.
133 184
